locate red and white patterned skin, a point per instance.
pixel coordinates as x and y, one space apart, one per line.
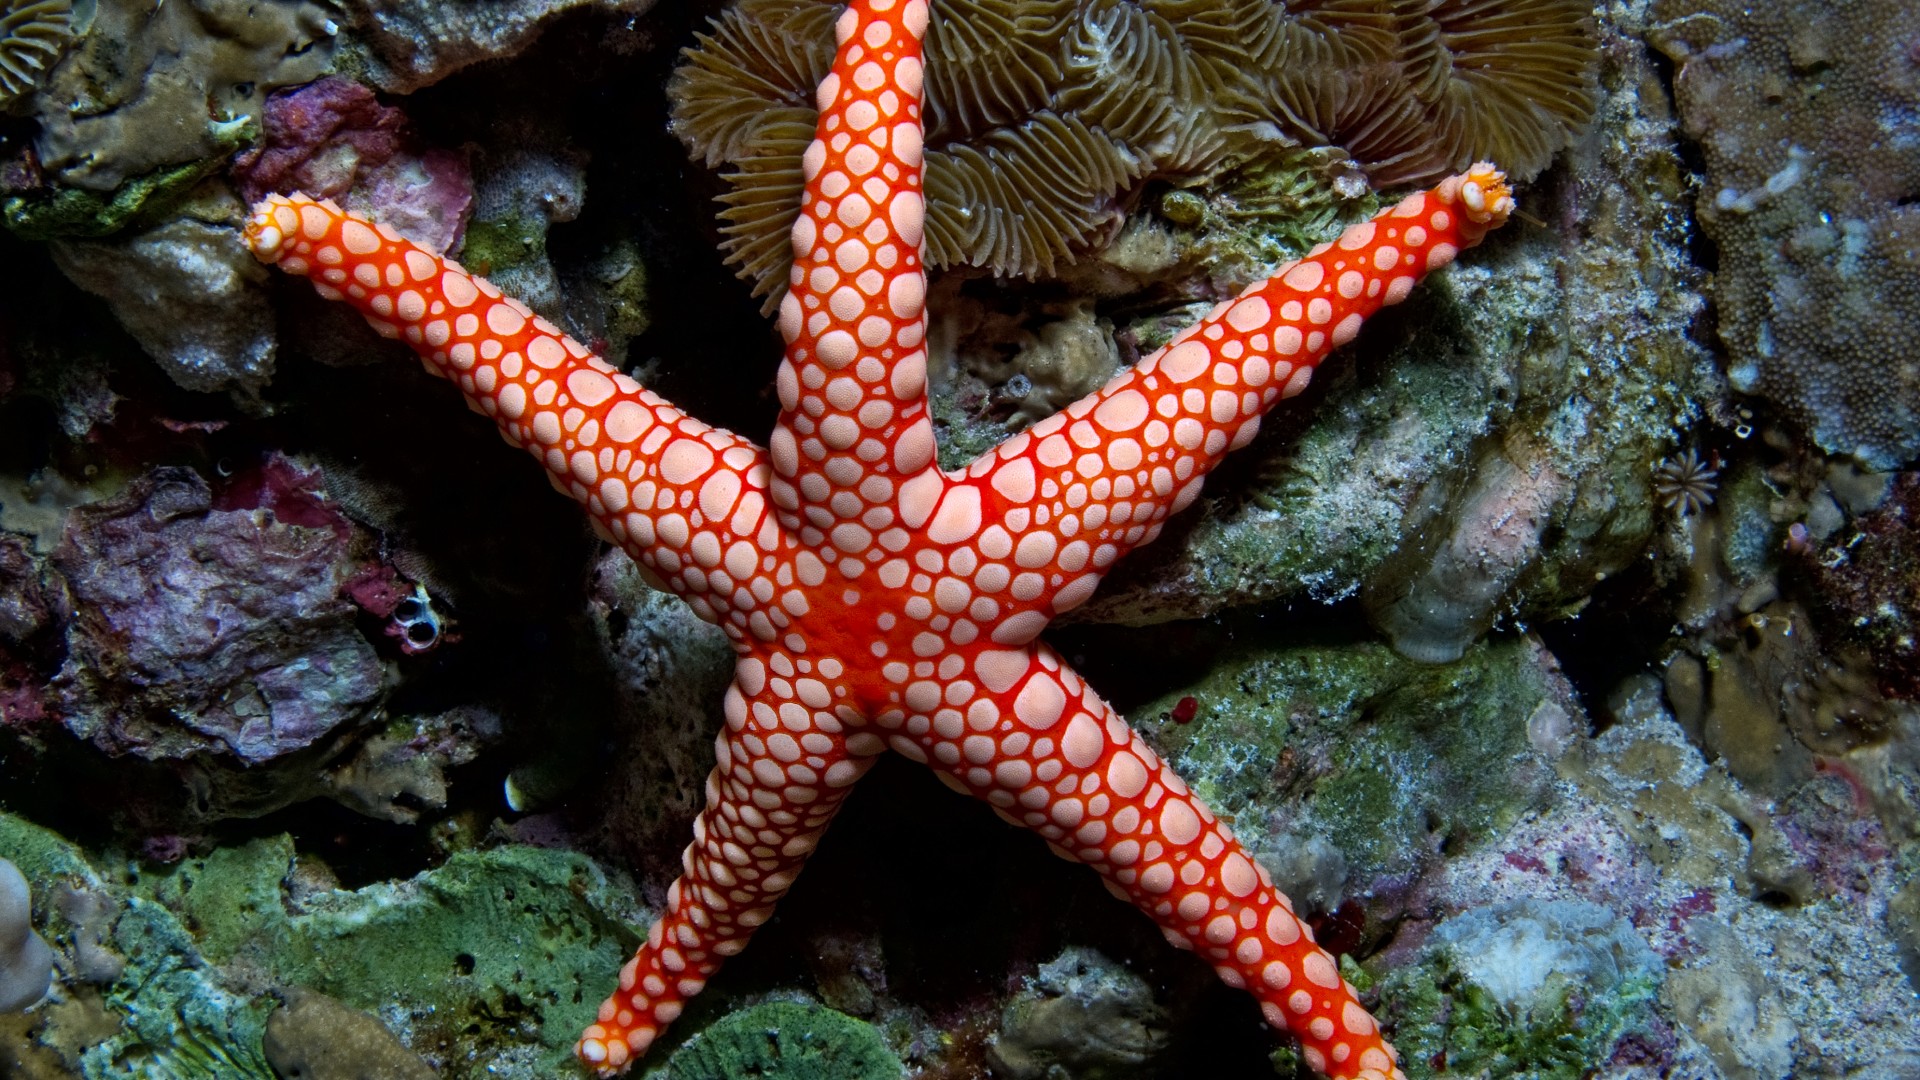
878 603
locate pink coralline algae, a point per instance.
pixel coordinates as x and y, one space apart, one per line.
334 137
1868 589
202 629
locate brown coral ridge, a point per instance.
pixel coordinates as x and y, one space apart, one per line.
1044 117
33 34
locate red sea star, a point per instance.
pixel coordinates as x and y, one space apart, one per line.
877 602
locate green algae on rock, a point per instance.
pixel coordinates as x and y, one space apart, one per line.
156 86
507 942
785 1040
1345 769
144 200
491 955
150 1009
1541 989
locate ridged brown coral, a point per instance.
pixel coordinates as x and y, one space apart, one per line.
1045 116
33 34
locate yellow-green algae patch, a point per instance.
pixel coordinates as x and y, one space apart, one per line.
512 940
1387 759
499 953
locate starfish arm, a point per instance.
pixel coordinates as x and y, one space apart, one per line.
1034 740
784 767
680 496
853 432
1087 485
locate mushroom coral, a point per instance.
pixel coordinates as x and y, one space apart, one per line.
33 34
1045 116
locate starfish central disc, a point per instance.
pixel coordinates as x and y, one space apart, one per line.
877 602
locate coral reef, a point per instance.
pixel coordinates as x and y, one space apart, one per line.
403 45
784 1040
1866 581
1382 760
1440 592
1567 362
1532 988
146 1005
534 183
1809 193
491 940
1043 119
187 294
337 721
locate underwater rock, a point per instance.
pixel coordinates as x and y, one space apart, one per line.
533 181
403 45
1757 983
1441 590
670 670
400 772
1903 919
1804 112
1349 770
209 628
1866 585
1736 1014
26 964
1081 1015
29 598
1568 349
786 1040
314 1037
992 372
155 86
190 294
333 140
1547 989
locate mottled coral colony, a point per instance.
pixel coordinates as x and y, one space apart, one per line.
876 602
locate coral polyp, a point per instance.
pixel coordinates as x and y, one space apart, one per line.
1685 483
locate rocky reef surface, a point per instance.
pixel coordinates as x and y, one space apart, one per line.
1556 652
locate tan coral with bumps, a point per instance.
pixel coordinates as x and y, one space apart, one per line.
878 603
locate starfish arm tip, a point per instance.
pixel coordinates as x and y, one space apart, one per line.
1483 190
